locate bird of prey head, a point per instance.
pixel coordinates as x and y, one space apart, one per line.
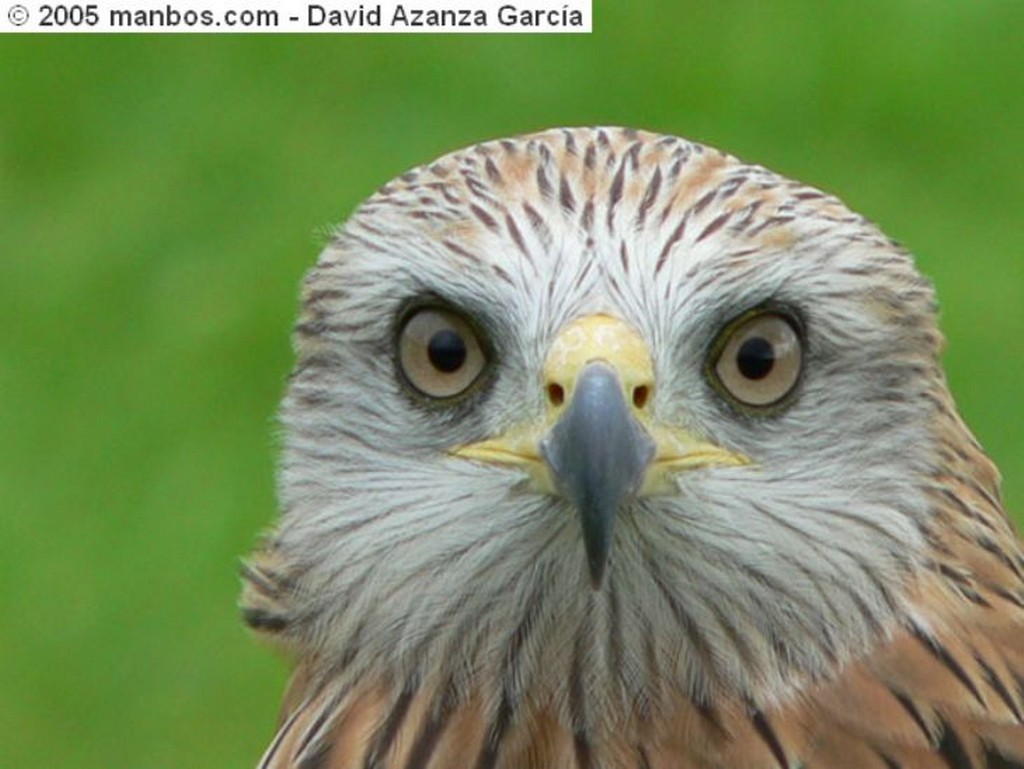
606 449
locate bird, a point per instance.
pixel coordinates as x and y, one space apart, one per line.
604 449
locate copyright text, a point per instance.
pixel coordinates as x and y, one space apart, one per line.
424 16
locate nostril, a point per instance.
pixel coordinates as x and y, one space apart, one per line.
556 394
640 396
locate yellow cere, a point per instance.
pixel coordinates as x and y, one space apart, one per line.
599 337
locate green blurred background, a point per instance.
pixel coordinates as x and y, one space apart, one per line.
160 198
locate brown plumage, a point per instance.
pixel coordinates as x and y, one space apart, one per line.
808 567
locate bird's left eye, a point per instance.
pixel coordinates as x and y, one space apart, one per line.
759 359
439 353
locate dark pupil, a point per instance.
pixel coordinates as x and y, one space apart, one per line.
447 351
755 358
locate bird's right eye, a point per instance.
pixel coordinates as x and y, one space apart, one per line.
439 353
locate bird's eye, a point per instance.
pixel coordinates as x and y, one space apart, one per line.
759 359
439 353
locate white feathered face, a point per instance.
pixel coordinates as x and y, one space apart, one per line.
616 388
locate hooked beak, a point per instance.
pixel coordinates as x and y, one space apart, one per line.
598 453
597 445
